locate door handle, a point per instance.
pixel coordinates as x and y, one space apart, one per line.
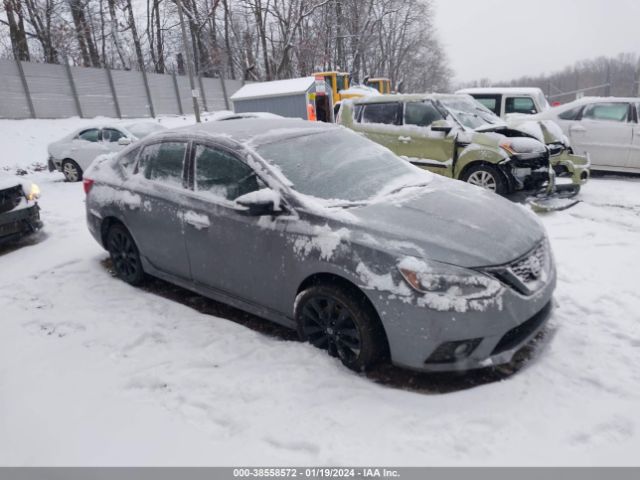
196 220
577 129
405 139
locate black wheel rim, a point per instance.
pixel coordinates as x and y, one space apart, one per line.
124 255
328 324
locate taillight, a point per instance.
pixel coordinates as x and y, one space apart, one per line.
87 183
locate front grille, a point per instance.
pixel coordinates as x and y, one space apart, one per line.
529 273
530 268
514 337
10 198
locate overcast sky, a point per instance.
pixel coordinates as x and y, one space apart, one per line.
506 39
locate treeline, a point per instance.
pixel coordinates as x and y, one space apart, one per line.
239 39
604 76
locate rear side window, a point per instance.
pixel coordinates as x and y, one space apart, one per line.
163 162
608 112
520 105
91 135
421 114
111 135
572 114
221 174
492 102
386 113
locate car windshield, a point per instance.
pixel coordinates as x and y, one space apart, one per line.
470 113
340 165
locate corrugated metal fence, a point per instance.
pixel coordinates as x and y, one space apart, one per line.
36 90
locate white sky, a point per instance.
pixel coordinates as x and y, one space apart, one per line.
506 39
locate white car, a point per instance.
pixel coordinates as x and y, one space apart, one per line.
73 154
605 128
509 101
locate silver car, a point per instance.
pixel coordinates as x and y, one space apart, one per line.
73 154
321 230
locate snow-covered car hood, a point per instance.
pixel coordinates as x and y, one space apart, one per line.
8 181
455 223
545 131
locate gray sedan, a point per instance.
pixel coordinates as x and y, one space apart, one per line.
321 230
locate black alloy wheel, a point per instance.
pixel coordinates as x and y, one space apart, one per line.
124 255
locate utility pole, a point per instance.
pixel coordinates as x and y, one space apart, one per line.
194 90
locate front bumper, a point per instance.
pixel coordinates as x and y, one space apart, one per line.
18 223
575 167
416 333
54 164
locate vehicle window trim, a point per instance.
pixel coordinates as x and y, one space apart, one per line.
136 171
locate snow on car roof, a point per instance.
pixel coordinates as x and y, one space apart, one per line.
501 90
255 130
586 100
276 88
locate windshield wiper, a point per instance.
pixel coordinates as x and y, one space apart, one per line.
404 187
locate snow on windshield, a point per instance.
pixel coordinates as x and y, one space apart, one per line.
340 164
470 113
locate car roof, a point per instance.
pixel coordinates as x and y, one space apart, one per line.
254 130
410 97
502 90
586 100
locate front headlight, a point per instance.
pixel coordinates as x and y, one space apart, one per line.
522 145
33 192
446 287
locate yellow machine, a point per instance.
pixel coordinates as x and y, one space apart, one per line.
382 84
339 82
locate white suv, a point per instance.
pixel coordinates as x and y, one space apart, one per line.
507 101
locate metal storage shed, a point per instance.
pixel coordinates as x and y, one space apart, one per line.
288 98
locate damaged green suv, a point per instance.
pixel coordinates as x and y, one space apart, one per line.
456 137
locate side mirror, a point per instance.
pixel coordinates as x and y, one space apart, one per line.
124 141
260 203
444 126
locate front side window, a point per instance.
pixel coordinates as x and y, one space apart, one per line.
421 114
221 174
386 113
112 135
572 114
91 135
520 105
608 112
163 162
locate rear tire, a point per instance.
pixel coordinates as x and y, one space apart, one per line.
71 170
343 324
124 254
487 177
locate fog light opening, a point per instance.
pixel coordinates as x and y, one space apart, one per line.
451 352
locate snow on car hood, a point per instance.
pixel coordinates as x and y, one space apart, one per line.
542 130
455 223
8 181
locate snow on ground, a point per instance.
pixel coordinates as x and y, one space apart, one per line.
95 372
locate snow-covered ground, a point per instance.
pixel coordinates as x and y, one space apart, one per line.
95 372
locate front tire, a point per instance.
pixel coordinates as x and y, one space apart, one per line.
71 170
487 177
341 323
124 254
